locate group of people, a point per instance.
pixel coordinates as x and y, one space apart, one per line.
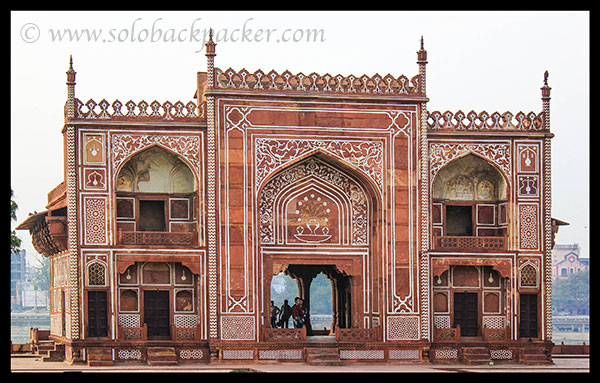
280 316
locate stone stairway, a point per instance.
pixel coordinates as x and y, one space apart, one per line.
162 356
323 356
476 356
99 356
532 355
49 351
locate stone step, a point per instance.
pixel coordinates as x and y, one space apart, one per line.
99 356
476 355
531 358
323 356
162 356
57 354
44 347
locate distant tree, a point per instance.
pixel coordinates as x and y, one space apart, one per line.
572 293
320 295
288 289
15 242
40 275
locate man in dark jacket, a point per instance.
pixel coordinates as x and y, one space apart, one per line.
286 313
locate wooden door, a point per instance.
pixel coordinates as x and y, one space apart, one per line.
528 316
465 313
97 314
157 314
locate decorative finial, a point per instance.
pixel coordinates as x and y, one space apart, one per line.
546 88
210 44
422 53
70 72
70 104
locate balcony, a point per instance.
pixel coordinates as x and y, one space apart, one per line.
469 244
446 334
158 238
284 334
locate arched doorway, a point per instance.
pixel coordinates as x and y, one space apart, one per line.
304 277
318 216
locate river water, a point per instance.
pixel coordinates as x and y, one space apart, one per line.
21 322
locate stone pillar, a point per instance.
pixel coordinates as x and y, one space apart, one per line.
212 193
547 206
424 199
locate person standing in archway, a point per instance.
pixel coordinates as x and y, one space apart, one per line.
274 315
286 313
298 313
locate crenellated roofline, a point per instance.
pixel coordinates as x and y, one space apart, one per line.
314 83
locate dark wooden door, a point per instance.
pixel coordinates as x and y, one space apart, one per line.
97 314
156 313
528 316
465 313
62 313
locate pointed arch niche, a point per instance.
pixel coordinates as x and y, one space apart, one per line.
156 200
315 213
470 200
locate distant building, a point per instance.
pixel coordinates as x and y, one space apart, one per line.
31 298
566 261
23 294
18 265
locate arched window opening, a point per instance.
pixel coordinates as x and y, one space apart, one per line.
96 274
321 303
470 205
156 200
284 289
528 276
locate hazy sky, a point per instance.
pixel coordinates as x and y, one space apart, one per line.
492 61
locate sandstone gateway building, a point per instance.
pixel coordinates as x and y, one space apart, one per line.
434 228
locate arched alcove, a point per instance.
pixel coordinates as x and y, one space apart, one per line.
156 192
470 178
319 215
470 198
156 170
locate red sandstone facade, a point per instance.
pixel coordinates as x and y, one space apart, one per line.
434 228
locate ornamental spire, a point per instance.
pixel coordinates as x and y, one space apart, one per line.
422 61
210 59
546 88
70 105
422 54
546 101
210 44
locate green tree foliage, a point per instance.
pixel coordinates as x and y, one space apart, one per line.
320 295
283 287
15 242
572 293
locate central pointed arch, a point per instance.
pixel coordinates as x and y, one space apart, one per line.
303 191
318 211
